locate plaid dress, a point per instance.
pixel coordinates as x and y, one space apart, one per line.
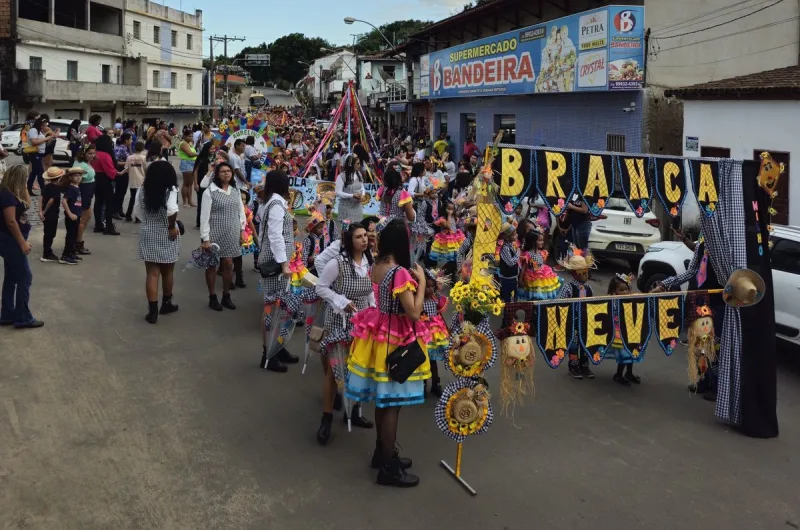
224 223
154 243
357 289
274 287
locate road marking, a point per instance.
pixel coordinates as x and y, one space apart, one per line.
12 416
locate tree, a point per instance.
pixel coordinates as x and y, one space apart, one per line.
397 32
285 52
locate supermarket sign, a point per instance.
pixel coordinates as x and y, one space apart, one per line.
597 50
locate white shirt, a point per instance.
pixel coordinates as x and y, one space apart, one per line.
274 225
300 148
330 252
196 136
33 134
450 168
416 185
250 152
340 185
328 277
420 155
172 203
205 210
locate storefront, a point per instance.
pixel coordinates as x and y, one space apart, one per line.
573 82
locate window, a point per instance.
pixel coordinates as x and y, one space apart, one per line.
137 29
188 41
173 80
174 39
615 143
469 126
156 34
106 73
35 63
508 124
785 255
72 70
119 75
156 76
188 81
442 119
715 152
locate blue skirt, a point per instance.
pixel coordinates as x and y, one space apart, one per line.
622 356
389 394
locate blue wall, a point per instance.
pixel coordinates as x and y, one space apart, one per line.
579 121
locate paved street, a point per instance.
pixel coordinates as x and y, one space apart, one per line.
109 422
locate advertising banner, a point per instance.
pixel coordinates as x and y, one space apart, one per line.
596 50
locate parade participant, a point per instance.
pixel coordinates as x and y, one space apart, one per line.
432 310
447 242
83 161
250 157
74 139
377 331
314 242
620 284
50 145
135 165
73 208
37 143
188 156
276 244
346 287
159 236
222 221
508 265
537 280
349 190
396 203
470 229
419 188
93 131
14 248
202 164
248 243
578 264
49 209
105 174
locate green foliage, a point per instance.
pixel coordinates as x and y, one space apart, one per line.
397 32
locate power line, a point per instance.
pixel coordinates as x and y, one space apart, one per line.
722 23
679 22
723 60
703 19
784 21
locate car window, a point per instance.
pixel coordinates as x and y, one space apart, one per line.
15 127
785 255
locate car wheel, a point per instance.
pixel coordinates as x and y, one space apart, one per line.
18 150
654 280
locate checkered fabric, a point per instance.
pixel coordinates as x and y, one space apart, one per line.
463 250
725 235
391 209
510 255
357 289
224 223
441 406
483 328
154 243
274 287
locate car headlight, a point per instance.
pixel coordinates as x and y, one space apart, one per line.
654 249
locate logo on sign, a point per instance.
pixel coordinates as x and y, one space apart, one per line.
593 30
437 75
592 69
625 22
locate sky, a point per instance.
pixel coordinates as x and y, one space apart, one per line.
258 22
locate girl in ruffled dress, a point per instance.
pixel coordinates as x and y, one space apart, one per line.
248 239
432 311
537 281
377 331
448 241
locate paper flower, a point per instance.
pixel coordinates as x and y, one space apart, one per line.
673 211
555 360
673 343
508 208
560 202
712 206
635 353
601 203
556 209
560 353
596 357
640 210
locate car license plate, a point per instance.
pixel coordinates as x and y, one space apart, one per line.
625 247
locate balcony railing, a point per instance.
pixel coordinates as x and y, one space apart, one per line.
156 98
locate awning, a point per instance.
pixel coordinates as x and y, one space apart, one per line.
397 107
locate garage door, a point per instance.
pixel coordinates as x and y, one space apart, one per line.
67 114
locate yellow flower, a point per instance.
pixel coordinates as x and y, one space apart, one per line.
474 304
496 310
459 308
481 297
456 297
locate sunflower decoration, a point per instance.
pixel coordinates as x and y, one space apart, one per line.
471 351
516 368
464 408
478 301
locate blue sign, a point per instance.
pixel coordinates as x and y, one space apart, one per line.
597 50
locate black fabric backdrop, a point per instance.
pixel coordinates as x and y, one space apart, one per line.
759 362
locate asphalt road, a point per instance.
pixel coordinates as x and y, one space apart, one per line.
107 422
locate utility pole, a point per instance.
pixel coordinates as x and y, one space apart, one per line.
212 89
224 40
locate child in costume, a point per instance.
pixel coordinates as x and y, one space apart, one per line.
297 264
331 232
621 284
447 242
248 243
537 281
508 262
314 242
463 264
578 264
432 310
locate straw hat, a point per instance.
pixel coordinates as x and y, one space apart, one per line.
744 288
577 260
316 219
53 173
72 170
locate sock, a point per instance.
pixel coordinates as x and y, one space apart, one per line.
629 369
619 369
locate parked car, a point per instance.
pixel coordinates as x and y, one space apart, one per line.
618 233
11 140
670 258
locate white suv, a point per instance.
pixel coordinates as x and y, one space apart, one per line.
671 258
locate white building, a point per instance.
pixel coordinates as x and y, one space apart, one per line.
172 43
328 75
82 57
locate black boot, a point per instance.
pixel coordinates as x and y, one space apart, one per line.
286 357
393 473
213 303
111 230
337 402
324 432
436 387
152 313
227 302
240 280
357 419
167 306
376 457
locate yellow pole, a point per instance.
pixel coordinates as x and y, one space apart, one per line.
458 458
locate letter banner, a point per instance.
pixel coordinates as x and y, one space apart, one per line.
555 178
634 316
555 331
514 167
635 182
705 182
668 313
308 191
595 180
595 328
669 179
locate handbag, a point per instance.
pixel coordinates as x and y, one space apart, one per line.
271 268
315 336
403 360
181 228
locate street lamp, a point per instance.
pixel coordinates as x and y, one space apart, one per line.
351 20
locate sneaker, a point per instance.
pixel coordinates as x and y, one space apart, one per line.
76 257
49 258
575 372
29 325
586 371
67 260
